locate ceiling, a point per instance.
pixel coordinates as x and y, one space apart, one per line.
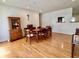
42 5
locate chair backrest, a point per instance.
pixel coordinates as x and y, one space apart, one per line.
34 28
76 37
39 27
77 31
29 26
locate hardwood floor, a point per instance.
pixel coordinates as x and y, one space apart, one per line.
58 46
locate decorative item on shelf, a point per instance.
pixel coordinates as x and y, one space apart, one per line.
16 25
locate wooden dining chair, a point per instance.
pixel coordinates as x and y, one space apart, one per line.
45 32
75 40
41 34
49 30
30 35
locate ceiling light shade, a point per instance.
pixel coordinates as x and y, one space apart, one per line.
3 0
73 0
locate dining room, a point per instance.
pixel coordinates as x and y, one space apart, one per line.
39 28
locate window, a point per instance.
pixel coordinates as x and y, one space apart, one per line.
61 20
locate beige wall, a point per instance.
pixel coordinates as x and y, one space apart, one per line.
66 28
6 11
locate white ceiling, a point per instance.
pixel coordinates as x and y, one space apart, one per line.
44 5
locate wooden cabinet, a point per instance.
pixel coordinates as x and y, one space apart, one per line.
15 28
15 34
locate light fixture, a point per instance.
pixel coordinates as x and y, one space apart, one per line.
73 19
40 11
28 16
73 0
3 0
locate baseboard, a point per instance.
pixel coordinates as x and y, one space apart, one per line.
61 33
4 41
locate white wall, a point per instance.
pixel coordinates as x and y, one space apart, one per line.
6 11
65 28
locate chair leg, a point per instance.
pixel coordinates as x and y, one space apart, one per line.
26 39
29 40
73 46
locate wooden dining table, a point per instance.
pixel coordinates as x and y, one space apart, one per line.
37 33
